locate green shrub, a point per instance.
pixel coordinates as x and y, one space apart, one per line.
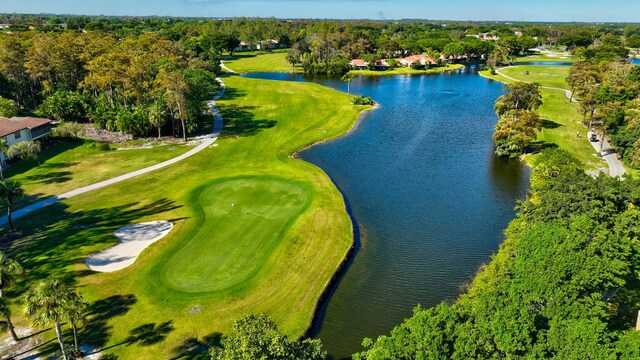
98 145
362 100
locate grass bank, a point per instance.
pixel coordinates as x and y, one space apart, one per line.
255 229
562 120
261 62
66 165
405 71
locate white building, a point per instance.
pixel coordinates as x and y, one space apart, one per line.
18 129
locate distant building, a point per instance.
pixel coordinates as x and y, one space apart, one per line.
422 59
19 129
486 37
359 64
4 26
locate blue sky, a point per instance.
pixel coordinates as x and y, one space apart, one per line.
531 10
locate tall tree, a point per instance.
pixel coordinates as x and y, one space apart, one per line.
175 87
76 312
10 270
47 303
519 96
6 324
10 190
256 337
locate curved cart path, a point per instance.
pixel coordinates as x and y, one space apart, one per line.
207 140
616 168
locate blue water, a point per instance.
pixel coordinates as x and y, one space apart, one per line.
430 199
635 61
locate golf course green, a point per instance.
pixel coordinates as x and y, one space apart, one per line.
273 251
244 220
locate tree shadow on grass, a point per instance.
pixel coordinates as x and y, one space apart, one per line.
54 177
54 149
97 330
54 237
549 124
197 349
240 121
537 146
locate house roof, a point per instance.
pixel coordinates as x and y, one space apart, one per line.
15 124
358 62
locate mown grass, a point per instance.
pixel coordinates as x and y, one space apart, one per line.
154 309
405 71
260 62
561 57
562 120
66 165
552 76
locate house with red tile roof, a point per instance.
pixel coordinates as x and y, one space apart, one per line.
422 59
359 64
18 129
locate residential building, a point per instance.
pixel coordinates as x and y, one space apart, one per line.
18 129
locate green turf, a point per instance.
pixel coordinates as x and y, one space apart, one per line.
562 120
545 58
552 76
405 71
67 165
148 309
260 62
243 221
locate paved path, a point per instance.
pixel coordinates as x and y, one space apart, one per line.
222 65
616 168
206 141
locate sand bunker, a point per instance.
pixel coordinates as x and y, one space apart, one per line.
133 240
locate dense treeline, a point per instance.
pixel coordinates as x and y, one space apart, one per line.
609 92
563 284
134 84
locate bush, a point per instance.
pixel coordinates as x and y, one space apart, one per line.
362 100
101 146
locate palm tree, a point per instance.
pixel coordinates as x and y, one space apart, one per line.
6 323
10 190
347 78
10 269
47 303
76 309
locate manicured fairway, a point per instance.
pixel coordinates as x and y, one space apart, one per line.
244 219
272 252
249 62
562 119
67 165
552 76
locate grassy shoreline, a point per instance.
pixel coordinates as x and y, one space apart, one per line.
562 120
406 71
263 128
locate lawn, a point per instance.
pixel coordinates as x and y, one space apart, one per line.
405 71
66 165
561 119
545 58
256 230
552 76
260 62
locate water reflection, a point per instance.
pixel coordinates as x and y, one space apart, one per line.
430 198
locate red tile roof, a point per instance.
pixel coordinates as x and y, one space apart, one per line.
359 62
9 126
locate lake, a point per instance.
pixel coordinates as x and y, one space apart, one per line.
429 198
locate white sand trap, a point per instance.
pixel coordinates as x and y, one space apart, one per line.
133 240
